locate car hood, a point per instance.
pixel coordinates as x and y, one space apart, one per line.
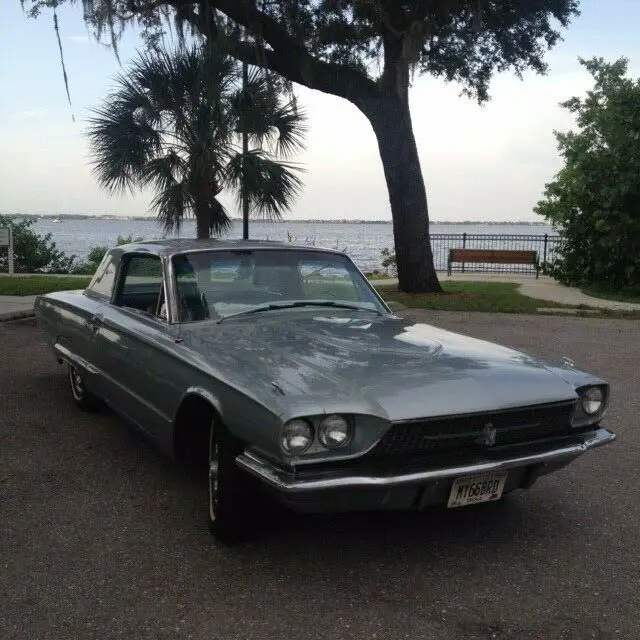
325 361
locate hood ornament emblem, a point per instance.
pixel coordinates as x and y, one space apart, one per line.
488 435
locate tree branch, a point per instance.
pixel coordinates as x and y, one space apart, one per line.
287 56
309 72
245 13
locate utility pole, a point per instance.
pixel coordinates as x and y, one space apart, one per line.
245 151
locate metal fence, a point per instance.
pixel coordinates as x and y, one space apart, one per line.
367 256
545 245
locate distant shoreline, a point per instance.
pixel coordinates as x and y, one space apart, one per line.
71 216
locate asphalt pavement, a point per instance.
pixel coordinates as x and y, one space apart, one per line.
103 537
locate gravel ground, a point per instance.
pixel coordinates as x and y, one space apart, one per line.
102 537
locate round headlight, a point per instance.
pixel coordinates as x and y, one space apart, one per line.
592 400
297 436
334 432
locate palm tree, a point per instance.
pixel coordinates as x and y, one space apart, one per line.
174 123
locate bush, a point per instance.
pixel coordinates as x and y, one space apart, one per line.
89 266
593 200
32 252
389 261
96 254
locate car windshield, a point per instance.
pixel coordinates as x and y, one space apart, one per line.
218 284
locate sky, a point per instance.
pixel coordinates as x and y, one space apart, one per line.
487 162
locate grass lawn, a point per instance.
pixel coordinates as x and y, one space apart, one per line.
632 295
470 296
378 276
33 285
457 296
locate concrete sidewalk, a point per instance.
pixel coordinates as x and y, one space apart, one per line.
16 307
544 288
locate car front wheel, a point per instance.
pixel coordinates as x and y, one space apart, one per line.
233 500
83 398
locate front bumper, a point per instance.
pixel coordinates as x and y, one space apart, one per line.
342 489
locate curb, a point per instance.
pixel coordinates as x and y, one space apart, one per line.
560 311
16 315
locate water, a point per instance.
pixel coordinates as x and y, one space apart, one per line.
362 241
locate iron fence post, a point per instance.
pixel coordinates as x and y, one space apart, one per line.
464 245
544 256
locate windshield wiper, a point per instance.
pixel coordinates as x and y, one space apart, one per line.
274 306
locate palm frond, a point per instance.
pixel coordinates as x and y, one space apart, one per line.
163 171
253 106
261 114
218 219
121 146
172 124
271 186
290 122
172 204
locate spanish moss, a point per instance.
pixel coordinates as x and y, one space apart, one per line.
56 27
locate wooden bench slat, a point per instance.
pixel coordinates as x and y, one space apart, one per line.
501 256
493 256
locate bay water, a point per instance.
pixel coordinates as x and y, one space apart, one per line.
362 241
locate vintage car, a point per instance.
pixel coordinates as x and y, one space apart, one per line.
280 368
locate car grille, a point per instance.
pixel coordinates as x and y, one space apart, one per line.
475 432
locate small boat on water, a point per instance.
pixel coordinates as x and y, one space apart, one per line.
56 220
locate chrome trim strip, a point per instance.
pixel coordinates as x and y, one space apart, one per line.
171 291
288 482
278 245
69 356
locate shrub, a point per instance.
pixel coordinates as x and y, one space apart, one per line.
389 261
94 258
593 200
32 252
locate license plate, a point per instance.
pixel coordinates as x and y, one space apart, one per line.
475 489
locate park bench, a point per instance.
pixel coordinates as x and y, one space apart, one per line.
493 256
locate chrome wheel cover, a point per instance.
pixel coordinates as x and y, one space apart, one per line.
77 384
213 475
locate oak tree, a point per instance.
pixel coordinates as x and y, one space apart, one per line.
365 51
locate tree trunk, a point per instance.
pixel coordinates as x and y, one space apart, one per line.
391 122
202 225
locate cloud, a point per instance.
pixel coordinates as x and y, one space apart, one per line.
80 39
30 114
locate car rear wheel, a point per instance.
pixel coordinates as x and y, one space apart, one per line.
232 494
83 398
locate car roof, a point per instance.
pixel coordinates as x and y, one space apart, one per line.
174 246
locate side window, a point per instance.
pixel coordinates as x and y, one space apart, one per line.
141 284
104 278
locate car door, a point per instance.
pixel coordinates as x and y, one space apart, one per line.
77 339
130 340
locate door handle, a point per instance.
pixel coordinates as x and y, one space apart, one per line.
94 322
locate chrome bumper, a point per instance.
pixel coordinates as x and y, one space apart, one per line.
302 481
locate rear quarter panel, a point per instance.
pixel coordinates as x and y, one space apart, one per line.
64 316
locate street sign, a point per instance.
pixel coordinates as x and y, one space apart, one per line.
4 236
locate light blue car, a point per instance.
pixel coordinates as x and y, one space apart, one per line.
281 370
